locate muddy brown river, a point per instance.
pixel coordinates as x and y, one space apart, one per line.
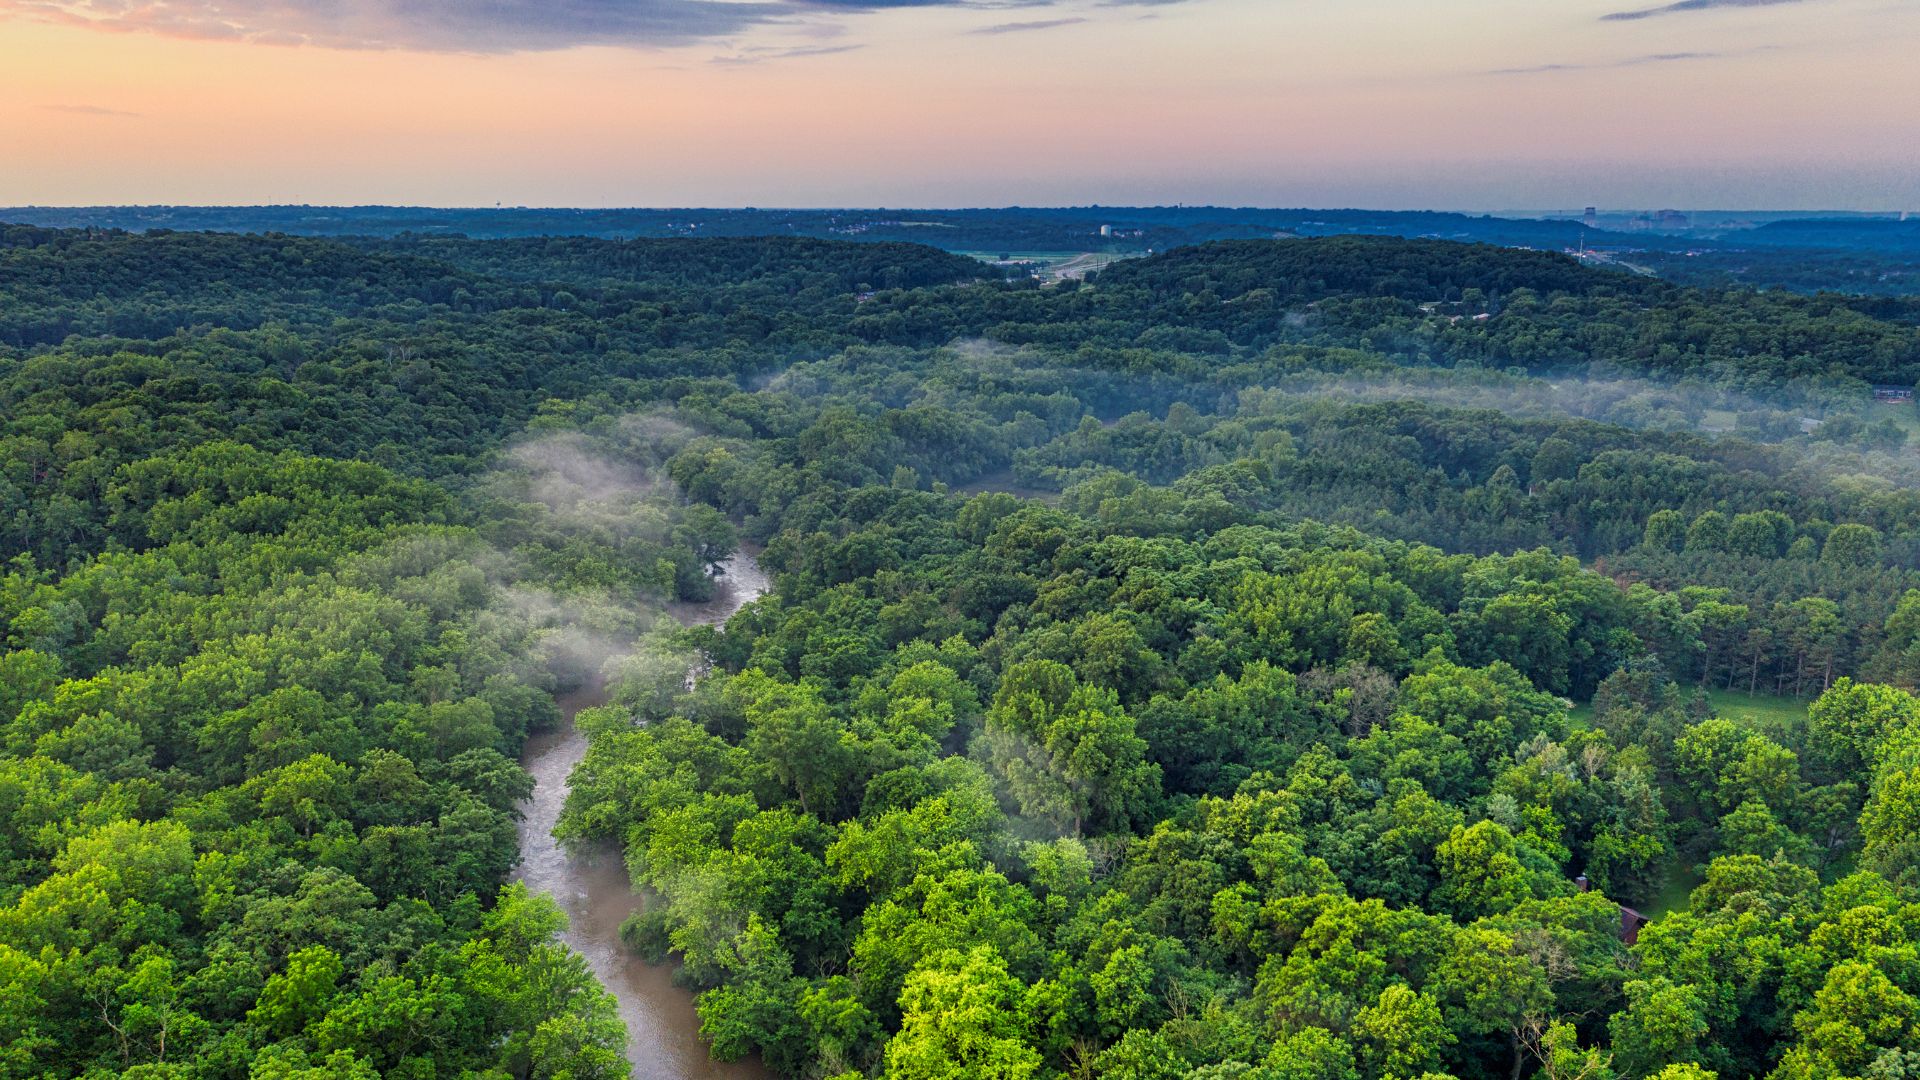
663 1032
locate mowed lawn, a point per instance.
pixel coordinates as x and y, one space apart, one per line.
1770 714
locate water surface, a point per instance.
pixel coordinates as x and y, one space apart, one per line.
663 1031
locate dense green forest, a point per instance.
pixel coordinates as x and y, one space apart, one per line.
1267 660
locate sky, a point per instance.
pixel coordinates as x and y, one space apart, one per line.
1492 105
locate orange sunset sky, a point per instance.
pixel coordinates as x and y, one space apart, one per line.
1506 104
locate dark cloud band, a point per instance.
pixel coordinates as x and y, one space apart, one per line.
487 26
1691 5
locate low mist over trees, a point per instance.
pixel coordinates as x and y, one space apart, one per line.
1317 658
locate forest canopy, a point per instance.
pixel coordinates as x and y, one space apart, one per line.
1347 657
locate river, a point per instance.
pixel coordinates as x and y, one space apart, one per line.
663 1031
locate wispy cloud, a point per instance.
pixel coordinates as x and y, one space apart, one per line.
1691 5
1601 65
761 56
1023 27
89 110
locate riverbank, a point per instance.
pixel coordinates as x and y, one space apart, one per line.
663 1030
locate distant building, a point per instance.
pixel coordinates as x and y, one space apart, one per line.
1630 923
1672 219
1106 230
1893 395
1630 920
1591 219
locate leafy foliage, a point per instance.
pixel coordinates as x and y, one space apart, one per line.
1136 698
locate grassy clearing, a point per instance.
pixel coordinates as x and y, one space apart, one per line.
1772 714
1004 481
1580 717
1719 420
1907 416
1675 889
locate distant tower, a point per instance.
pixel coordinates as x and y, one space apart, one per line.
1106 230
1592 218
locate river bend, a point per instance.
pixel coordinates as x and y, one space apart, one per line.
663 1031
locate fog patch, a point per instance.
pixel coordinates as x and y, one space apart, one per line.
600 491
565 472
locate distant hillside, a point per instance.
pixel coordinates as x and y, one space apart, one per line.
1869 256
1366 266
793 263
1840 233
56 283
1001 230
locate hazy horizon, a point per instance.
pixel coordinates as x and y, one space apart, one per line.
1520 213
